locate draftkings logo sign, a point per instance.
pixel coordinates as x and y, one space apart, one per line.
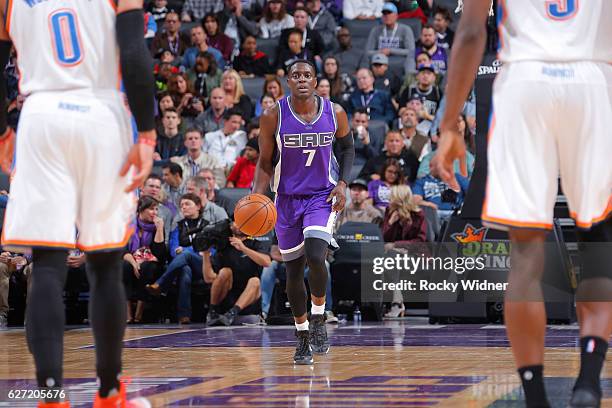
473 243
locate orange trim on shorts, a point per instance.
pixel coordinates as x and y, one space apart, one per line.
602 217
128 233
26 243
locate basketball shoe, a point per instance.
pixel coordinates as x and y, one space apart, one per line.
303 352
120 400
318 334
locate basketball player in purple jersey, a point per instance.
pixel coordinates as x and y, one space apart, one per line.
296 155
552 116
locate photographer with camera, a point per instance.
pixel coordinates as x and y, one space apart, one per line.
186 265
234 272
431 191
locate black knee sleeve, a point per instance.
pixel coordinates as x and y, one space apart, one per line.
595 246
316 253
107 313
296 289
45 315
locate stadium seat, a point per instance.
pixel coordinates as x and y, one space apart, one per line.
414 24
269 47
378 130
360 28
397 64
228 197
253 87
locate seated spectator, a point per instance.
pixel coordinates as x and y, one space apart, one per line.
323 88
253 128
415 103
349 58
432 192
200 186
275 19
404 222
377 103
227 143
251 62
422 58
441 23
171 38
238 20
272 86
321 21
392 38
9 263
165 101
393 149
403 226
216 38
158 9
426 89
244 170
170 142
234 274
182 90
145 256
199 45
311 42
379 190
468 116
195 10
359 209
212 188
186 264
162 73
428 42
195 158
205 75
340 82
362 9
294 51
212 118
235 98
174 187
267 102
384 79
165 210
364 150
417 142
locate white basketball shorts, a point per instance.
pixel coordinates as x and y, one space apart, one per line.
66 191
549 120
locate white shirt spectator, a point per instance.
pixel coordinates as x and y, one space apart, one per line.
353 8
226 148
274 27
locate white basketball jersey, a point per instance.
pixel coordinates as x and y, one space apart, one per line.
555 30
64 44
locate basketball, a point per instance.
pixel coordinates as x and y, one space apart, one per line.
255 215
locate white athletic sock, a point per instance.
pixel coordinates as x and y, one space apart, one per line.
302 326
317 310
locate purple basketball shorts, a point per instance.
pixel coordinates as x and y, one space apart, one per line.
302 216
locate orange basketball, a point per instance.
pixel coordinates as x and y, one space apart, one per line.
255 215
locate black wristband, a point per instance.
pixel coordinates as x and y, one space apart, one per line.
136 68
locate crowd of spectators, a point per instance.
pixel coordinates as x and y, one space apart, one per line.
390 80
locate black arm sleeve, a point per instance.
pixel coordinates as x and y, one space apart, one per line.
346 155
5 53
136 68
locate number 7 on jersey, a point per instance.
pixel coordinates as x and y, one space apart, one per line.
311 155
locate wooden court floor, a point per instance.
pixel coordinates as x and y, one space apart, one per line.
391 364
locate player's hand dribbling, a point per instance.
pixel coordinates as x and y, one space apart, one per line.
141 158
451 147
339 194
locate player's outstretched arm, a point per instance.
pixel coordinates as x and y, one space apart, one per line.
5 53
346 144
137 73
263 172
468 48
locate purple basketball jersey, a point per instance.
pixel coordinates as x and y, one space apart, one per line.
306 162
